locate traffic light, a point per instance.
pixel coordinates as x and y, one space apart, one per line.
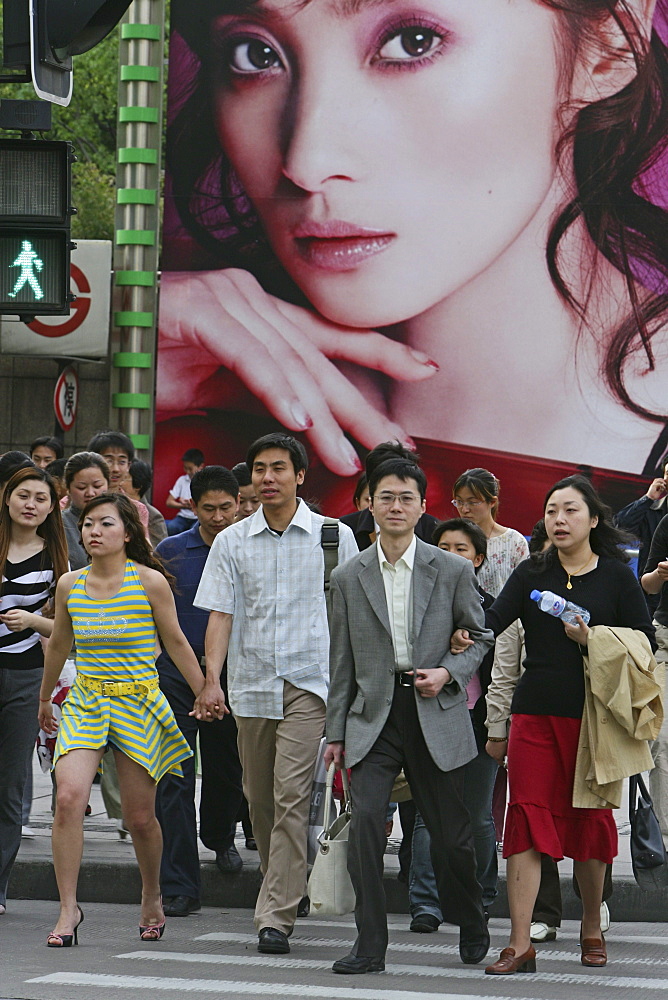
35 214
45 34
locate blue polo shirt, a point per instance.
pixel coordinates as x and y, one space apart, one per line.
184 555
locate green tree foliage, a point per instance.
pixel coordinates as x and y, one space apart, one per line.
90 123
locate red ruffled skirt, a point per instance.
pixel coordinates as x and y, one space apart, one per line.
541 768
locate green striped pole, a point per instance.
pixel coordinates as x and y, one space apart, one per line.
137 242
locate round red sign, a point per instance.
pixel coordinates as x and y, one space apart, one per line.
66 397
78 312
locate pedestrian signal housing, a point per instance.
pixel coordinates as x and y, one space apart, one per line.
43 35
35 215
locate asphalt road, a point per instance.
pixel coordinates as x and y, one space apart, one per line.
214 952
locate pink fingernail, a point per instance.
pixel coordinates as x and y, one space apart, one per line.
301 417
424 359
350 455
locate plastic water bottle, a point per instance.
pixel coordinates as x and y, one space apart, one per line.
559 607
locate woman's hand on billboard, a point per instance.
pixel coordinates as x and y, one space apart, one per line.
217 323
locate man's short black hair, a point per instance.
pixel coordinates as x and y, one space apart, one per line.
193 455
387 450
11 462
213 478
141 475
402 469
473 532
56 469
286 442
111 439
241 473
52 443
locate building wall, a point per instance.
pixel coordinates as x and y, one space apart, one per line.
26 402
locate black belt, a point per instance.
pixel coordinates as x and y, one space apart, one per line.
404 679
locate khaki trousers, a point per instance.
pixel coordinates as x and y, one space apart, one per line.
278 759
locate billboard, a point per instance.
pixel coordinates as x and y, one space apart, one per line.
436 222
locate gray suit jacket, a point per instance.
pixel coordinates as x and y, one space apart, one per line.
361 665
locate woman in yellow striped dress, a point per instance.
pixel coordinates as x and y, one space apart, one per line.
112 609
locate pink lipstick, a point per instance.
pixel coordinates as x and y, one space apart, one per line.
338 246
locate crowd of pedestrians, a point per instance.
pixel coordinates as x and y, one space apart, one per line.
411 645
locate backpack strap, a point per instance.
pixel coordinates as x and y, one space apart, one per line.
329 539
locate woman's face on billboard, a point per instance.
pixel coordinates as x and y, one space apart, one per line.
394 150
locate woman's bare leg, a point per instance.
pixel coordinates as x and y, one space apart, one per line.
523 880
138 804
590 875
74 776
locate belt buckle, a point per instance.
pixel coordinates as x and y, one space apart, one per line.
403 680
108 688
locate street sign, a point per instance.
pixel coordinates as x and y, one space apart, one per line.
66 398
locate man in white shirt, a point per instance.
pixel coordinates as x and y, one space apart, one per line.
264 586
398 699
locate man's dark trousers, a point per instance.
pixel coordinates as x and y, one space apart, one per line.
437 795
221 794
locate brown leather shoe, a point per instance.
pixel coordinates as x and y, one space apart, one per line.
509 963
594 953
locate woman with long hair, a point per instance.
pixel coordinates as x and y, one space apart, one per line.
33 556
586 565
499 218
113 609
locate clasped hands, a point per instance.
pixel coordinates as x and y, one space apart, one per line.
210 703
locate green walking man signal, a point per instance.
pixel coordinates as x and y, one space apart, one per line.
29 262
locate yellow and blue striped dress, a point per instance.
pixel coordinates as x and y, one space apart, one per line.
115 641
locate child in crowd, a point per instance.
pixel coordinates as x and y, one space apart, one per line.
179 495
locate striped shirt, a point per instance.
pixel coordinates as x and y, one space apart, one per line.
26 585
115 637
274 586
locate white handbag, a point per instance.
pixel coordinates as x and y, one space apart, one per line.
329 887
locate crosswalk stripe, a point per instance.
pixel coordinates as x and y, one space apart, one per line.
416 948
340 990
616 935
241 988
274 961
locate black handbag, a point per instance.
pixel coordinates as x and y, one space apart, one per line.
648 854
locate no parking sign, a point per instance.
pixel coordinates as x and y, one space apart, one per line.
66 398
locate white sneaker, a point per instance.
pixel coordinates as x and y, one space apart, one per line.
605 918
27 831
542 932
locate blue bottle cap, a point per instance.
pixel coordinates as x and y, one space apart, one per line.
536 595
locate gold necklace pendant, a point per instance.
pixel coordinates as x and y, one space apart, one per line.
569 585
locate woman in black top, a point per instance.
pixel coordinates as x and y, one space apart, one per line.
33 556
585 565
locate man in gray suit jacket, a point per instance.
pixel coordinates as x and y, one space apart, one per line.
397 698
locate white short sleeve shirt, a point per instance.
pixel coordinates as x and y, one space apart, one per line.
274 586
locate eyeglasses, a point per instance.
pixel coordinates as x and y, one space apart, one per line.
387 499
466 503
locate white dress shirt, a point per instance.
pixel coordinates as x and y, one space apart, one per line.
274 586
398 583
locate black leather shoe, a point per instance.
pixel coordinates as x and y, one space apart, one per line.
425 923
250 844
473 947
273 942
304 907
356 965
180 906
229 862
